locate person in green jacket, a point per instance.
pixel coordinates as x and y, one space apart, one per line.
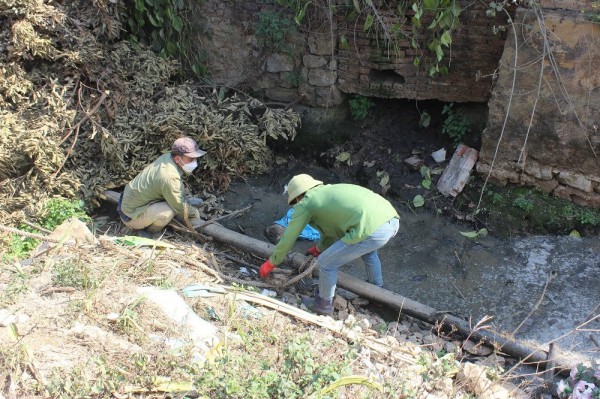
353 222
156 195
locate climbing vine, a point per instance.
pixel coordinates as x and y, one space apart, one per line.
162 24
427 25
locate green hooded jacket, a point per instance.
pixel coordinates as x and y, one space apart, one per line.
344 212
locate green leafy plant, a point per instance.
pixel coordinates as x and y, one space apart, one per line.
583 383
418 201
55 212
523 203
272 29
497 198
426 173
582 215
162 25
456 124
436 20
594 14
360 106
294 78
298 373
73 274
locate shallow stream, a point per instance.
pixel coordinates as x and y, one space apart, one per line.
540 288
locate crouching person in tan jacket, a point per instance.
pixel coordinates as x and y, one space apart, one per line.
156 195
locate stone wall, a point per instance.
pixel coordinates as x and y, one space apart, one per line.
557 148
326 59
315 69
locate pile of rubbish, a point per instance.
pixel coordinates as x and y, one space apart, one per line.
83 111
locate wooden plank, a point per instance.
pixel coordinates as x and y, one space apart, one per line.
457 172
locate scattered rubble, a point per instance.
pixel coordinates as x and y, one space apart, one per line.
109 318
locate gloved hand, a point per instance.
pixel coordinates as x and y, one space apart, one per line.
266 268
193 213
195 201
313 251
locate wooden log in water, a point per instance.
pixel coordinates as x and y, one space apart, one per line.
396 301
402 304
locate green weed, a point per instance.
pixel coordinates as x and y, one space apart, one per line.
594 14
496 198
73 274
57 210
128 320
298 372
294 78
54 213
456 124
20 247
584 216
17 285
360 106
272 29
523 203
162 24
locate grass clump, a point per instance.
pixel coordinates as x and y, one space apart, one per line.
245 372
54 213
521 210
360 106
73 274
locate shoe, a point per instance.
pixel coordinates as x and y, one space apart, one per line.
318 305
195 202
143 233
146 234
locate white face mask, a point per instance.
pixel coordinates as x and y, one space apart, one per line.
189 167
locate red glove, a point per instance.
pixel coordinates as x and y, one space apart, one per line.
266 268
313 251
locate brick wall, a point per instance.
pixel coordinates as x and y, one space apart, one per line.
368 68
316 70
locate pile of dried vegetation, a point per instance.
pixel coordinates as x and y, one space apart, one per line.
83 111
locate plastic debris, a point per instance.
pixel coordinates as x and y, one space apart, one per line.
201 290
439 155
270 293
248 311
309 233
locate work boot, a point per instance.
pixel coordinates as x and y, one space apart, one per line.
318 305
144 234
195 201
150 233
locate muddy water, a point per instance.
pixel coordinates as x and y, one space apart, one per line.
539 288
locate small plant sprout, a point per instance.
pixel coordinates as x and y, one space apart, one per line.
426 173
360 106
456 125
583 383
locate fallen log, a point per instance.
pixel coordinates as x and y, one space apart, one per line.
396 301
404 305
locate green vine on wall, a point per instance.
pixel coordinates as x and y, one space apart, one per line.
434 19
272 29
162 24
444 20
